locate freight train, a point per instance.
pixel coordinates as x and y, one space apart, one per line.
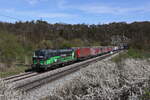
44 59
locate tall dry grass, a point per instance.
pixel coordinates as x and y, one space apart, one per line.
106 80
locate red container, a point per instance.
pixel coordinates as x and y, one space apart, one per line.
83 52
96 51
93 51
100 50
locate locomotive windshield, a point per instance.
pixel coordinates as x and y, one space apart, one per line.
39 53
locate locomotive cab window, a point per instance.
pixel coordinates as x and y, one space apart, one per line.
39 53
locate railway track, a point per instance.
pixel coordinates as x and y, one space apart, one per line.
19 77
31 82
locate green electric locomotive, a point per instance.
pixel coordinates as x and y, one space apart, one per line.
44 59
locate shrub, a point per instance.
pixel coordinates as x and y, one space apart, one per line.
131 53
45 44
77 42
11 50
146 94
134 53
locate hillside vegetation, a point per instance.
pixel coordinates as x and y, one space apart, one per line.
42 34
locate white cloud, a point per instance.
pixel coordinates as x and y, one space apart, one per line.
33 2
36 14
54 15
104 9
96 8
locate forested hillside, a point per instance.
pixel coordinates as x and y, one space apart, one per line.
18 40
39 33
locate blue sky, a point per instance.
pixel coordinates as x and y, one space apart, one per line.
75 11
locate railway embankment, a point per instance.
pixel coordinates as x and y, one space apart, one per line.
126 79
